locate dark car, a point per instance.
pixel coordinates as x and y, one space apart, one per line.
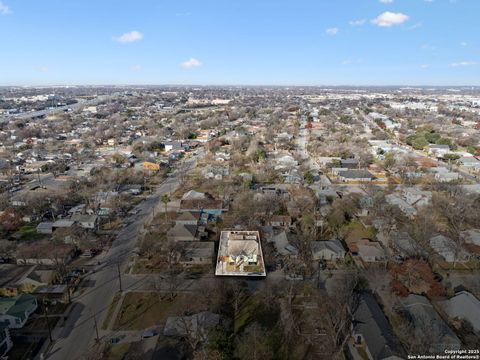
437 277
149 334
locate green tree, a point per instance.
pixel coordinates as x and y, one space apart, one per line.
432 137
451 157
389 161
419 143
445 141
308 176
165 199
472 150
261 155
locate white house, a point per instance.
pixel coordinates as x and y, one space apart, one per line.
86 221
447 176
438 150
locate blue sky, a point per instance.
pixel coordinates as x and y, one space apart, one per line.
246 42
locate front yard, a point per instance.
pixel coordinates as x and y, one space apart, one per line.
141 310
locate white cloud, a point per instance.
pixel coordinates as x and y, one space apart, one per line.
129 37
463 63
4 9
428 47
359 22
190 63
463 43
352 61
136 68
43 69
388 19
425 66
415 26
332 31
386 1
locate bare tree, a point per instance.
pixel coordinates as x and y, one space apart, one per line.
337 311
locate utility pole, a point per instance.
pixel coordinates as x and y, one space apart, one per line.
68 293
96 327
119 276
48 323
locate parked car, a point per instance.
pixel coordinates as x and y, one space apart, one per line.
115 340
149 334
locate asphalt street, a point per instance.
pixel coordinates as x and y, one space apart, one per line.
77 334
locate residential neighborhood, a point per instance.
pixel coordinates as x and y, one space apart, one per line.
240 180
175 222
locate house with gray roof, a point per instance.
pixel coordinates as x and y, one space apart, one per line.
372 332
63 223
428 325
282 244
349 163
183 232
438 150
188 218
471 236
463 306
448 249
86 221
45 228
403 205
330 250
469 161
197 253
355 175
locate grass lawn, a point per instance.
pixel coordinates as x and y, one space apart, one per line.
244 315
118 351
142 310
356 230
110 311
40 324
146 266
112 225
254 310
470 265
22 350
28 232
197 271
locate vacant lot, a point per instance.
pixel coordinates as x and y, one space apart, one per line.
142 310
111 310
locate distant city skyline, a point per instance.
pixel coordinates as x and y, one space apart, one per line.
262 42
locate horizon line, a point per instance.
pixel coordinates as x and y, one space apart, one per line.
239 85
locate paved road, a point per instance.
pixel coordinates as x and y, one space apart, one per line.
78 333
153 283
33 114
